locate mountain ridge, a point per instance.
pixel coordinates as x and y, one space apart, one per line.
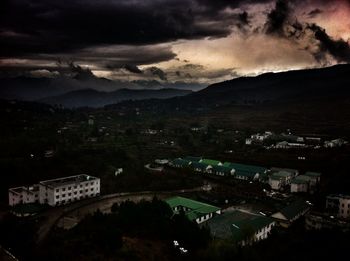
94 98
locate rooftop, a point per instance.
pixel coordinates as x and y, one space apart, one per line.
197 209
181 162
245 168
67 180
29 189
210 162
236 224
199 165
294 209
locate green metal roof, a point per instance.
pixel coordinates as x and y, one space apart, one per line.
181 162
199 165
245 168
312 174
210 162
197 209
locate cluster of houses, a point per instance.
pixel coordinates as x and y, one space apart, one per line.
258 137
290 141
277 178
335 143
242 227
280 178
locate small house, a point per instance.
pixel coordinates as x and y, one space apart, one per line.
315 178
278 180
300 184
289 214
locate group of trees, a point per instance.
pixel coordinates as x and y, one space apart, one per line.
101 236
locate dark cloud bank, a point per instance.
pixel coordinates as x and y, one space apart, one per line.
46 29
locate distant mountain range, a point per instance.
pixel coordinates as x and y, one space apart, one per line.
285 87
40 89
93 98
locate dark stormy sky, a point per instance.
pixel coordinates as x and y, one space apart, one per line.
171 40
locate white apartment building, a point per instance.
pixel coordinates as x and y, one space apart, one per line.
23 195
339 204
57 192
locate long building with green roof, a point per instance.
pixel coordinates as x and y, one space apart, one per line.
194 210
180 163
246 172
201 167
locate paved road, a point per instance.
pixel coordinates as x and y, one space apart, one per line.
70 214
5 255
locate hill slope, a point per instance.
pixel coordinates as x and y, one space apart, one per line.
277 87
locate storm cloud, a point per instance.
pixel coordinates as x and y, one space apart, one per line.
170 39
46 26
338 48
